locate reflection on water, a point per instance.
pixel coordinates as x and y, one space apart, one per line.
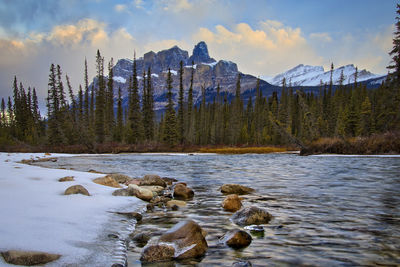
328 211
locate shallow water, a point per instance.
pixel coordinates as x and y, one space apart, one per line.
328 211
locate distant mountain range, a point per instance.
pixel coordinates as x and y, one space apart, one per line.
209 73
305 75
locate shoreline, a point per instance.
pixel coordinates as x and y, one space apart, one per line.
41 218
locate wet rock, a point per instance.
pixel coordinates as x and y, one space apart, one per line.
187 236
242 264
175 202
118 265
107 181
28 258
140 239
158 252
183 192
152 179
124 192
232 203
120 178
135 181
251 215
175 208
113 236
149 207
132 215
156 189
66 179
76 189
236 239
183 241
169 181
139 192
236 189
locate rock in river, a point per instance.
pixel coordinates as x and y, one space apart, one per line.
236 189
251 215
76 189
232 203
152 179
28 258
184 240
183 192
236 239
142 193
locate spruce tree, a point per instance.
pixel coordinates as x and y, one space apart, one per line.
135 116
181 121
189 124
170 132
119 126
395 52
100 100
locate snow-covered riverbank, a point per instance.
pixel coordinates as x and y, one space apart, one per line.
36 215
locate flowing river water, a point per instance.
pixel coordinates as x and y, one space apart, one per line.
327 210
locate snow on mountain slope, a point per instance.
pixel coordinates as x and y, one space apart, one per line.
305 75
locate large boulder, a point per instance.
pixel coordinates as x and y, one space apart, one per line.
232 203
158 252
236 239
140 239
120 178
236 189
251 215
152 179
142 193
28 258
107 181
76 189
184 240
183 192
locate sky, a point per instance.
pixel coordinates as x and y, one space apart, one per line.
264 37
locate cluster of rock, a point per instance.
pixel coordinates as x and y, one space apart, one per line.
186 239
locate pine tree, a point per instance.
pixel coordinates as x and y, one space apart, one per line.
395 52
120 124
181 121
100 100
54 135
190 120
170 132
109 116
148 107
136 131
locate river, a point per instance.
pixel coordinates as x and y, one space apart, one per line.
327 210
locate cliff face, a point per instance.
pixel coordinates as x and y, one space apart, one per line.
207 72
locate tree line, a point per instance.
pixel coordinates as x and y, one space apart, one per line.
94 116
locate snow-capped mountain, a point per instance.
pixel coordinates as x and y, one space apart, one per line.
305 75
208 73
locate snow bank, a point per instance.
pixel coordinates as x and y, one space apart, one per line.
35 215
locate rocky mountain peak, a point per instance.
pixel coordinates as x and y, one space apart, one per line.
200 54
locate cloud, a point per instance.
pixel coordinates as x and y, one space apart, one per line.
120 7
268 49
177 5
138 4
321 37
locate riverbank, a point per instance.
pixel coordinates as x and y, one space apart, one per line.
37 216
377 144
116 148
